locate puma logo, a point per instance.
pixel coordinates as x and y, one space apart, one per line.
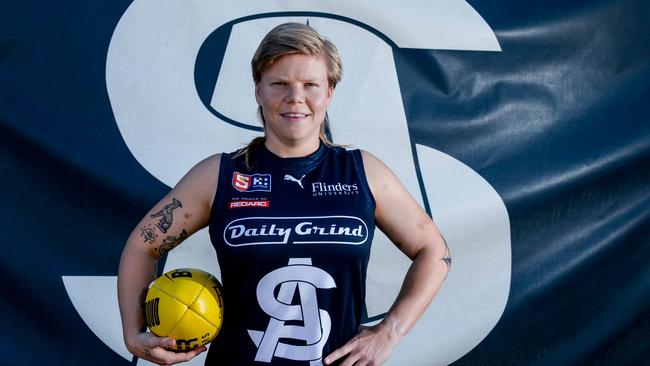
291 178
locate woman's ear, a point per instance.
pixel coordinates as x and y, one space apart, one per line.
330 92
257 93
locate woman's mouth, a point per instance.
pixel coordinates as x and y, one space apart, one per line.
294 115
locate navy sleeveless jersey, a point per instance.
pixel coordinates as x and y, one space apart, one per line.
293 239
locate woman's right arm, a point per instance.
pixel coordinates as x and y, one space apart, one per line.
183 211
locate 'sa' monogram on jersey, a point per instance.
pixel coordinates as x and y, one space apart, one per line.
299 275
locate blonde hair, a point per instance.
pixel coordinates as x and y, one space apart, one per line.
288 39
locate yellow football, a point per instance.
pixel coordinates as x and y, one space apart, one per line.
185 304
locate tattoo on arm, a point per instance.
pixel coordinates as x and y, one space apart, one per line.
447 257
170 242
148 234
166 216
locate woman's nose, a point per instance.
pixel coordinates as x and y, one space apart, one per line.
295 94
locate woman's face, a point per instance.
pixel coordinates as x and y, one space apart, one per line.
294 95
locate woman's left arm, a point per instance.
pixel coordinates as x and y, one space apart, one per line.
406 224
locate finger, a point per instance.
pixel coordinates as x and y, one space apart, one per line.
350 360
186 356
166 342
161 355
339 352
152 341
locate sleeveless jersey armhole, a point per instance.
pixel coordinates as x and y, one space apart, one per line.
361 171
224 169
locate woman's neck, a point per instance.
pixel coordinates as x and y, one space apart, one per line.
296 150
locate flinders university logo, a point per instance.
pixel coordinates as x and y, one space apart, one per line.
299 276
177 76
338 189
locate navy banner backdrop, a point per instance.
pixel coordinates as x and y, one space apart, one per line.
557 123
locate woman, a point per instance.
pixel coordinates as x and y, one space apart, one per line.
291 217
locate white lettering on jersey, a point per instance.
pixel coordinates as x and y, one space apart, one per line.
300 275
336 229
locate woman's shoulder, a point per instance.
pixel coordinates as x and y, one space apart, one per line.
203 173
208 165
372 163
199 184
377 172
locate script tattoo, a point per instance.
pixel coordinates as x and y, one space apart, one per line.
447 257
171 242
148 234
166 216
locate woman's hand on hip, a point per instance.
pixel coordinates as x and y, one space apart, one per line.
371 346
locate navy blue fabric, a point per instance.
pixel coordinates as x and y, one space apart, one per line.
317 209
557 122
565 110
